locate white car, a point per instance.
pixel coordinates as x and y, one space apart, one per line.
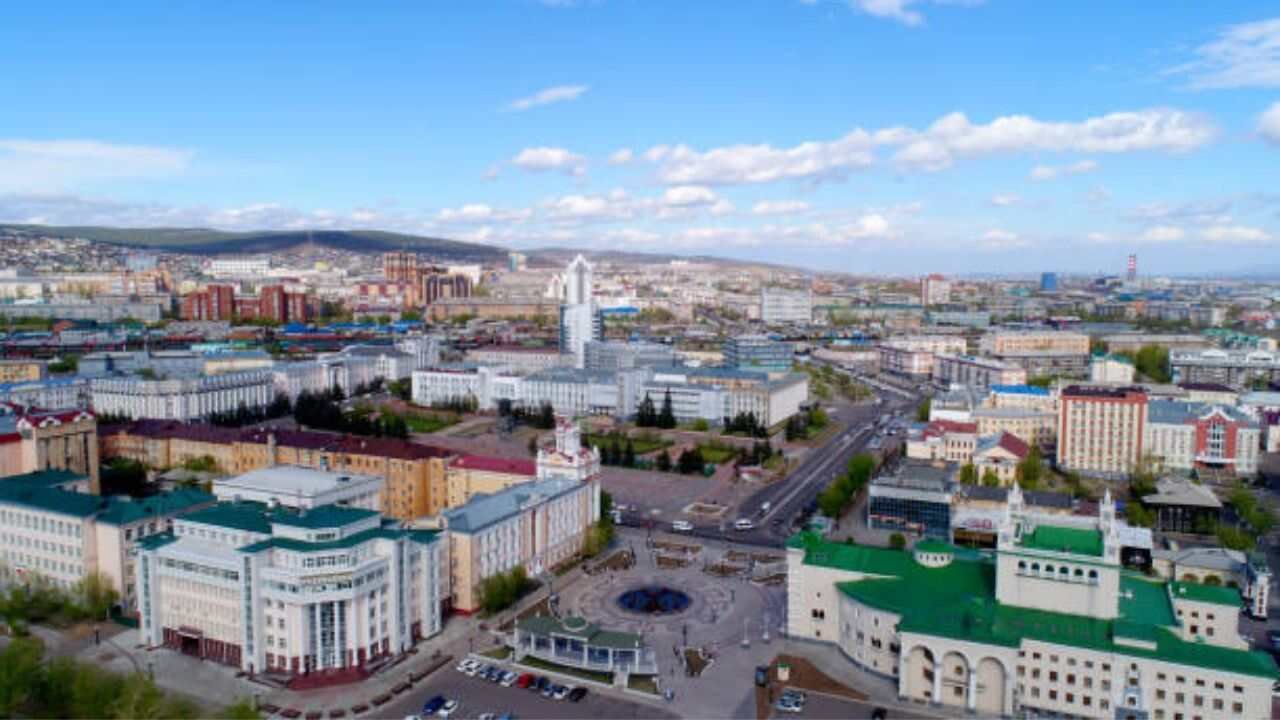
743 524
508 679
468 667
450 707
682 526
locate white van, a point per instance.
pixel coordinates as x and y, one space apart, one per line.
743 524
682 526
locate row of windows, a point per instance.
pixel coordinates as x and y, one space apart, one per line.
41 523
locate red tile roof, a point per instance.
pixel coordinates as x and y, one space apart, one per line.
510 466
1013 444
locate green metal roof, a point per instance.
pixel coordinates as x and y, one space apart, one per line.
1197 592
50 499
958 601
577 627
1063 539
45 478
242 515
934 546
151 542
325 516
122 511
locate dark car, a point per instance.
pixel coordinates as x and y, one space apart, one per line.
879 714
542 683
432 706
576 694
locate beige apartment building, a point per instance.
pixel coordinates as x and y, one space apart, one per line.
13 371
1101 429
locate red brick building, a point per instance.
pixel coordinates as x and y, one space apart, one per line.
219 302
215 302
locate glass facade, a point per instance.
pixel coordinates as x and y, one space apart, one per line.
922 517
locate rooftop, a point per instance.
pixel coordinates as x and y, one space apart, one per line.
1197 592
1055 538
290 480
483 510
1020 390
576 627
510 466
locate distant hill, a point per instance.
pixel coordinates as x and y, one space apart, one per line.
559 256
212 242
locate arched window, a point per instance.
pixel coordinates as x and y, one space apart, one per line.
1022 564
1079 574
1093 576
1048 569
1035 567
1064 571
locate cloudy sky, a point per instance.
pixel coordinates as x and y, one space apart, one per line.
897 136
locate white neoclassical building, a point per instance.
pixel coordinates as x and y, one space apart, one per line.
185 399
316 591
1049 625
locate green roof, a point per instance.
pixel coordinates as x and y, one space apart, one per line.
325 516
958 601
931 545
46 478
1063 539
122 511
1197 592
387 531
50 499
242 515
151 542
577 627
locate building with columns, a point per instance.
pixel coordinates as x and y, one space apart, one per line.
317 593
1047 625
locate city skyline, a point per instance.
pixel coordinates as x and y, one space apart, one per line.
900 137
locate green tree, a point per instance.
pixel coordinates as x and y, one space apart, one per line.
1031 469
1153 362
897 541
990 479
96 595
968 474
646 414
663 462
629 454
923 409
20 674
667 417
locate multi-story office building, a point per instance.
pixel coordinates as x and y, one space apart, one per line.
423 349
215 302
1101 430
1187 435
186 399
780 306
538 525
400 267
271 589
945 440
580 319
915 499
979 372
934 290
914 356
1134 341
615 355
1111 369
35 440
239 266
1050 625
1048 282
55 530
1031 426
1241 369
522 359
413 475
471 475
1040 352
757 352
53 393
13 371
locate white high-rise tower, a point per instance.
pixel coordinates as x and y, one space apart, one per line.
580 321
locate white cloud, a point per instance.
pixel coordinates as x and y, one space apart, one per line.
897 10
472 213
997 239
779 207
1205 212
558 93
1005 199
541 159
1238 234
53 165
937 147
1163 234
622 156
615 205
1269 124
689 195
1052 172
1097 237
1244 55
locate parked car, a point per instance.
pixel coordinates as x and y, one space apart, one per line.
576 694
743 524
542 683
879 714
508 679
468 667
560 692
524 680
682 526
549 691
432 706
787 705
449 708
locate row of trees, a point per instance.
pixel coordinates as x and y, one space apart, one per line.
324 411
833 500
243 415
39 600
648 416
799 426
499 592
969 476
745 423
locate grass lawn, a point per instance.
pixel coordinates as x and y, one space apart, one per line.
600 677
644 443
501 653
717 453
643 683
429 423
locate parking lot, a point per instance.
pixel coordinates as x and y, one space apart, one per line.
478 696
828 707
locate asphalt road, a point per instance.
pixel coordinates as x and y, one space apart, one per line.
789 497
481 696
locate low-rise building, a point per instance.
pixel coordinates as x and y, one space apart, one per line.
1110 369
53 393
302 488
915 500
1048 624
16 371
519 359
999 455
35 440
978 372
573 642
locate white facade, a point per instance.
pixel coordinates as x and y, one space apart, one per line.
424 349
780 306
287 593
914 356
294 378
184 399
302 488
231 267
579 319
1109 369
48 394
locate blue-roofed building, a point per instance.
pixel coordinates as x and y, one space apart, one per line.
537 526
310 595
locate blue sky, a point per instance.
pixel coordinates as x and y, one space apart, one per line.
897 136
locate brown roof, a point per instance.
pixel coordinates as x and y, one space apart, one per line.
304 439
